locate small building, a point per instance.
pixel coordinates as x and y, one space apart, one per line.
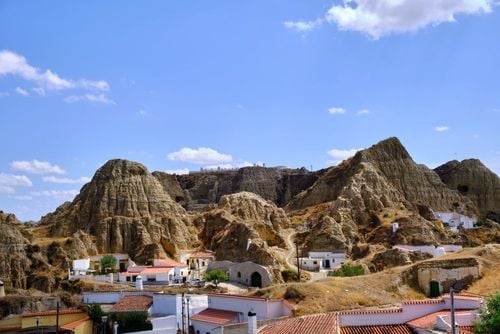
455 220
247 273
322 260
430 249
130 304
224 310
164 271
70 321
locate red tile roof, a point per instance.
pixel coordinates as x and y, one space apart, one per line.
133 304
373 311
423 301
325 323
152 271
169 263
75 324
51 312
376 329
429 320
466 329
215 316
202 255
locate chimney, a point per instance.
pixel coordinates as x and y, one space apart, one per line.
252 322
138 283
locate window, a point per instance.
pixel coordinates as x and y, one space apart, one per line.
315 262
239 274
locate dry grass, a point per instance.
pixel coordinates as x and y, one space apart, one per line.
385 288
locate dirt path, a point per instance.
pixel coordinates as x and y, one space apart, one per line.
291 257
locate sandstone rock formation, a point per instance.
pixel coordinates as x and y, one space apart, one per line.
474 180
127 210
15 264
238 218
198 190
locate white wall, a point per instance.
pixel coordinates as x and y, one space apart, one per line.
82 264
265 309
110 297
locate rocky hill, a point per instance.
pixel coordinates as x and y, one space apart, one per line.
127 210
474 180
198 190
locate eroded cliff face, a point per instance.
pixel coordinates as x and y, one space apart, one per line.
474 180
197 191
238 218
15 264
127 210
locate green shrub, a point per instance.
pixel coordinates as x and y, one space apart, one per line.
216 276
293 293
289 275
489 322
348 270
131 321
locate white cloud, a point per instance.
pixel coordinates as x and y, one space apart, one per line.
21 91
142 112
441 128
180 171
65 180
60 194
2 94
239 106
6 190
15 64
36 167
95 98
378 18
303 26
201 155
336 110
12 180
363 112
340 155
382 17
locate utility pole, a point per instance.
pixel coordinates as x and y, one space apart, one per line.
187 299
182 314
452 300
57 317
298 262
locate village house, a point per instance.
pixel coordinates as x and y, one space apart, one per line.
247 273
226 310
164 271
197 262
91 267
455 220
430 249
318 260
70 321
416 316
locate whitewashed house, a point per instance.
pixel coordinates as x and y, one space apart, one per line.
165 271
430 249
224 310
322 260
453 220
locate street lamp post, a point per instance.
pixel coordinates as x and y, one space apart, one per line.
37 324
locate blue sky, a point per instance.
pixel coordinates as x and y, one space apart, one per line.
189 84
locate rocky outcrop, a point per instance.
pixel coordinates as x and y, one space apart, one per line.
474 180
239 218
382 176
395 257
127 210
15 264
196 191
329 235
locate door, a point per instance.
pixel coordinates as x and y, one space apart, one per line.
434 289
256 280
327 263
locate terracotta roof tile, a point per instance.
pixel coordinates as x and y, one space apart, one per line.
169 263
215 316
201 255
423 301
133 304
373 311
51 312
152 271
325 323
376 329
429 320
75 324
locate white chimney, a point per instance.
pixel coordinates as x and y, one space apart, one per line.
395 227
252 322
138 283
249 241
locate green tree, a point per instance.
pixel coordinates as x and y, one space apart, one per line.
349 270
95 312
489 321
108 264
216 276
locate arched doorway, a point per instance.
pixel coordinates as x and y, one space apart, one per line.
256 280
434 287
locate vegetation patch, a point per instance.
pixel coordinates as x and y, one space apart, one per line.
348 270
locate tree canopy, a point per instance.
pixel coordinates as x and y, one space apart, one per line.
108 264
489 321
216 276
